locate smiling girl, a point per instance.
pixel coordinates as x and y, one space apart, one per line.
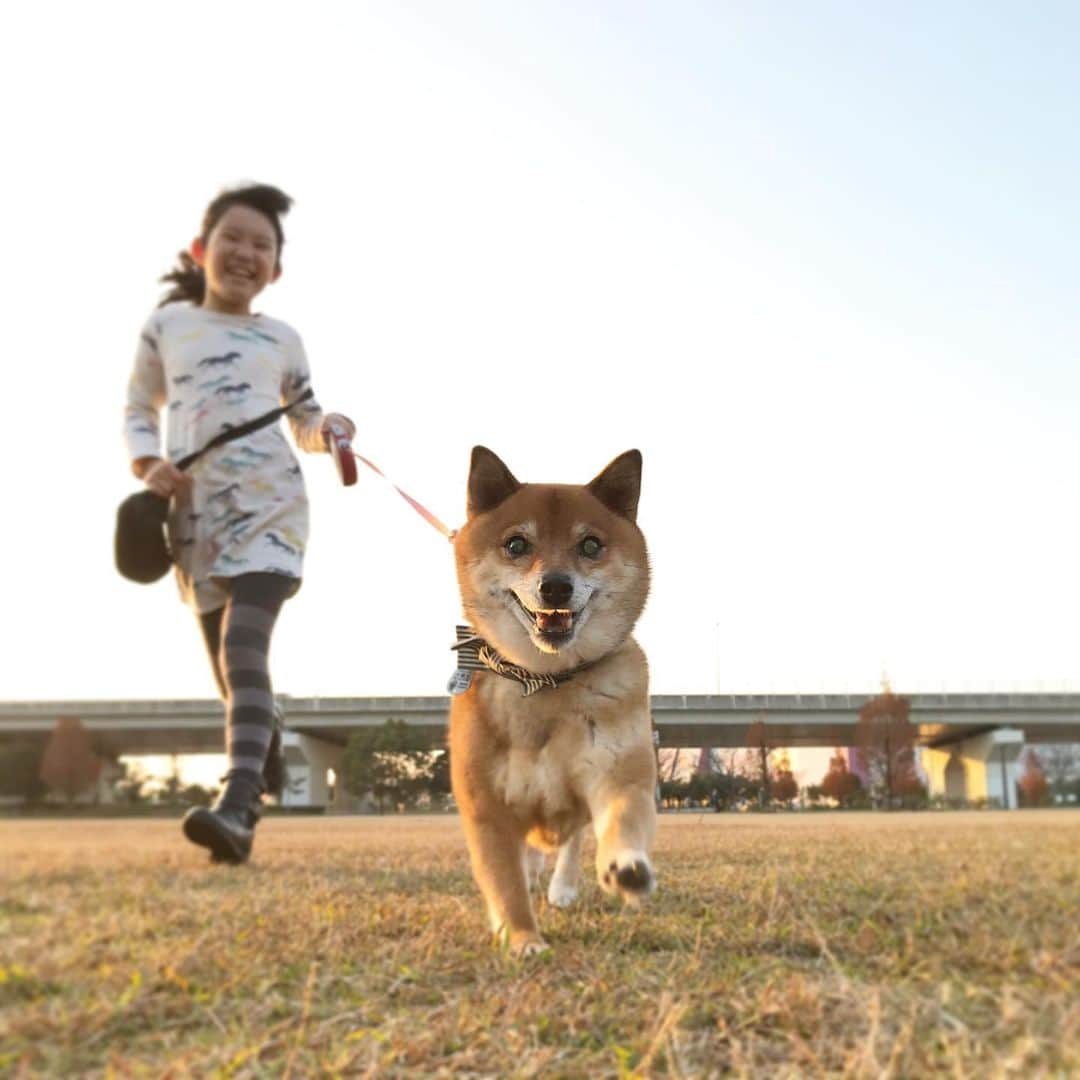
238 519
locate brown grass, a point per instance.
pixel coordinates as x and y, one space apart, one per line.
783 945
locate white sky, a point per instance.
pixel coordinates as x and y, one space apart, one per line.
818 262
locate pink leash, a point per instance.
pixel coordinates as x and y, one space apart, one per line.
343 454
422 510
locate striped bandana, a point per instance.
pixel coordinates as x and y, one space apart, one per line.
475 654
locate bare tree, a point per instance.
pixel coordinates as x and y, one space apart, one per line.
884 742
761 744
785 788
1061 764
668 763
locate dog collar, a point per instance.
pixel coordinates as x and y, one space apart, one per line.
475 654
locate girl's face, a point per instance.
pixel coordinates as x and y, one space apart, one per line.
239 259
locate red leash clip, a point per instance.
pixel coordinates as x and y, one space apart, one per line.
341 450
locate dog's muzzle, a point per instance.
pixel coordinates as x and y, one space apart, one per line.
556 620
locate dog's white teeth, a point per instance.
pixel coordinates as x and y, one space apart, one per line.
559 621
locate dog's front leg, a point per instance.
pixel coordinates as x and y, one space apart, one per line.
563 887
533 861
497 853
624 817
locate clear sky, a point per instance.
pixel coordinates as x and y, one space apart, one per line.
817 261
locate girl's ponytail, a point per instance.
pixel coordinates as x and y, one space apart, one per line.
187 279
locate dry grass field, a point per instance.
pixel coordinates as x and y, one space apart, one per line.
778 945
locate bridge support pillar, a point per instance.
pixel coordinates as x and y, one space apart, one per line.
307 761
984 767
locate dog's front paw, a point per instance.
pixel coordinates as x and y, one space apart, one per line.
522 944
534 946
628 874
560 894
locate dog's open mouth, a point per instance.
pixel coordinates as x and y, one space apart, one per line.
552 624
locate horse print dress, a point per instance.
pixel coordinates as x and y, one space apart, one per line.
248 509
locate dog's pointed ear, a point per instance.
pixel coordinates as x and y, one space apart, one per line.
619 485
490 482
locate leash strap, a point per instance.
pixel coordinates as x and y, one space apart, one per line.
241 430
422 510
247 428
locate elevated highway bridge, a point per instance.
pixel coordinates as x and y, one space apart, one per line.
970 740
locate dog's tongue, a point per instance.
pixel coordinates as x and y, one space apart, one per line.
555 622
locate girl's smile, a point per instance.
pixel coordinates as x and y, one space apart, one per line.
239 258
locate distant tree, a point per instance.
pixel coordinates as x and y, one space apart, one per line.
761 744
674 793
699 788
785 788
884 741
729 789
20 771
1033 786
196 795
839 783
1061 766
668 761
393 763
130 786
69 766
721 788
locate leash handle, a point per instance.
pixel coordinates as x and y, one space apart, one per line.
422 510
341 451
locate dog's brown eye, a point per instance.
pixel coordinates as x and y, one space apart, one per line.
590 547
516 546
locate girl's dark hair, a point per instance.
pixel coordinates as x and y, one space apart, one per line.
187 278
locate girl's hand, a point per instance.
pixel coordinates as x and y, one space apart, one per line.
165 479
340 421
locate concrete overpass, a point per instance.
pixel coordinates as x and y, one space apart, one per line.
972 742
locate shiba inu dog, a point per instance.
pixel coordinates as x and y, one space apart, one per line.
551 730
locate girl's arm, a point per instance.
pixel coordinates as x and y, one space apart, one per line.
145 398
308 421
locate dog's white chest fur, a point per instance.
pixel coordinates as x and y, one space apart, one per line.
535 784
535 768
555 745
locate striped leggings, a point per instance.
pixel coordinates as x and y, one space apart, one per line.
238 640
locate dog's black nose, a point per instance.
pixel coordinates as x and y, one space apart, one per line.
556 589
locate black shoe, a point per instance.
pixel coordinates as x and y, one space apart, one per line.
274 772
228 827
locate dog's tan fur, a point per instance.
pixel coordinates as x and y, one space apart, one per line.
530 772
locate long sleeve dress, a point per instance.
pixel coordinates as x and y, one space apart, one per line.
248 508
